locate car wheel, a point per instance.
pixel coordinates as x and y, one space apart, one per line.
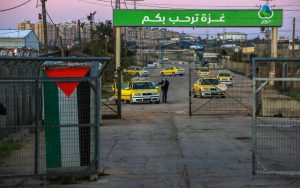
162 74
137 74
181 75
194 93
157 102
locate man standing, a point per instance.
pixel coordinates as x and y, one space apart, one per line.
164 88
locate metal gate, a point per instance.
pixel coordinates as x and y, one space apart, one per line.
276 116
111 107
233 99
46 130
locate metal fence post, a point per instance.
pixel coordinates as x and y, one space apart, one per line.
190 92
254 127
253 117
97 132
119 92
36 154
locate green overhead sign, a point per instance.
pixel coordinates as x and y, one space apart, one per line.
264 17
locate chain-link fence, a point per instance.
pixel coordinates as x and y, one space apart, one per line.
49 124
220 89
276 116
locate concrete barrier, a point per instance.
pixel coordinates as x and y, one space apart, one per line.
281 107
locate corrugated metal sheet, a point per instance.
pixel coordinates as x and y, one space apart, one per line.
14 33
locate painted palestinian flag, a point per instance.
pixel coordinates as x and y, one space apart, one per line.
66 146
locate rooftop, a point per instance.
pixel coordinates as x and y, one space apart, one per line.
14 33
233 33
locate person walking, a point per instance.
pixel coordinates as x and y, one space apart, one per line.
164 88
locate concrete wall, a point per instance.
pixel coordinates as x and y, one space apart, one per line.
239 67
287 107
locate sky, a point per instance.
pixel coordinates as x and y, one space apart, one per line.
72 10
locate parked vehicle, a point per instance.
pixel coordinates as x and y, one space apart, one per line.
151 66
135 71
139 91
172 71
225 78
209 87
204 72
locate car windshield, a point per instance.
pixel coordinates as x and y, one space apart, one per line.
139 68
123 86
143 85
210 82
224 74
178 68
204 70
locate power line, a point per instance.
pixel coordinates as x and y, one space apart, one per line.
162 5
15 6
54 23
95 3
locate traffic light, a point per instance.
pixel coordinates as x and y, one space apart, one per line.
40 16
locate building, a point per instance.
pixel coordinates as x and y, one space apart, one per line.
68 31
12 38
147 37
235 36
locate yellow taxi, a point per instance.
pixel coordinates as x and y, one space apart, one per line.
139 91
172 71
225 78
204 73
135 71
209 87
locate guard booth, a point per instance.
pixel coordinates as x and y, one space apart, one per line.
58 107
69 110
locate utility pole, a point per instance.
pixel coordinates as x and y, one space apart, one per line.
91 19
118 41
140 47
274 39
125 42
45 27
79 34
118 63
293 37
293 67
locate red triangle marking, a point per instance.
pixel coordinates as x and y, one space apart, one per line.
67 87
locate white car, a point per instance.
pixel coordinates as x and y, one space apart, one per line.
151 66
